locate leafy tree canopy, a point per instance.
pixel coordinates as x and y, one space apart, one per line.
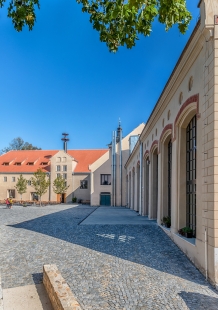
19 144
59 185
21 185
40 183
119 22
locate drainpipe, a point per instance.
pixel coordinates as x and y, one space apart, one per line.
115 177
121 172
112 169
205 248
140 179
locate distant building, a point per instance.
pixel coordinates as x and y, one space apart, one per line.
87 172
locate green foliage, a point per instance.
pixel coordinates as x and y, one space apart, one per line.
74 199
22 12
167 220
19 144
21 185
40 183
59 186
119 22
187 230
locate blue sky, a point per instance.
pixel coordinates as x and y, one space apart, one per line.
61 78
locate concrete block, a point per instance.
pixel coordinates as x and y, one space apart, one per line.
58 290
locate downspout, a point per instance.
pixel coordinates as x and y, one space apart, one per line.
112 169
115 177
205 249
140 180
121 172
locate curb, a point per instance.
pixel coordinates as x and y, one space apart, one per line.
58 290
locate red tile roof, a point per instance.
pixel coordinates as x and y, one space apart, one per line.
36 156
83 157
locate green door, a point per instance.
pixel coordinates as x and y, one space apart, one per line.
105 199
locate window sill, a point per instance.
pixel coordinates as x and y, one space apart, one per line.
165 228
189 240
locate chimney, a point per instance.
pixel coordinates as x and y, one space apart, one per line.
119 130
65 139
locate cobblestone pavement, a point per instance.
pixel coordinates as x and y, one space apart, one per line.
107 267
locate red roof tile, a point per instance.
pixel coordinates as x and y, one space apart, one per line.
36 156
83 157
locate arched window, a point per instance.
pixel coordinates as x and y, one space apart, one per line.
191 135
169 176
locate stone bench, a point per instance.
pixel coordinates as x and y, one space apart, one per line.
58 290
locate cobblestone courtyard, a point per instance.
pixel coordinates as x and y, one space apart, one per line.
106 266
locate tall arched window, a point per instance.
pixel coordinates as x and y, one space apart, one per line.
191 135
169 176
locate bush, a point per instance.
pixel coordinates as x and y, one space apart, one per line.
167 221
74 199
185 230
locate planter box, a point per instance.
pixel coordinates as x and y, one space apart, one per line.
189 235
167 225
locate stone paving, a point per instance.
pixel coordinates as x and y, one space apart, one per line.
107 266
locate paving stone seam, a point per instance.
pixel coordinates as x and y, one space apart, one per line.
87 215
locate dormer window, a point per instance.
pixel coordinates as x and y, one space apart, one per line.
18 163
5 164
44 163
30 163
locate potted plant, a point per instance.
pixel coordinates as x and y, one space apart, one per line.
167 221
74 199
186 231
181 232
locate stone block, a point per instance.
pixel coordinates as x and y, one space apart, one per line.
58 290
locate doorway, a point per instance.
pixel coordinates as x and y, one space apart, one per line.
61 198
105 199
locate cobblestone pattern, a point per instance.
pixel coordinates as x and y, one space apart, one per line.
107 267
1 296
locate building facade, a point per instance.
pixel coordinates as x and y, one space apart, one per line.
86 172
173 169
72 165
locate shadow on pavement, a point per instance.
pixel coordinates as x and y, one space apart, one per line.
142 244
196 301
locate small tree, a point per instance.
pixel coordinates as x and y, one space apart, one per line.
59 185
21 186
40 183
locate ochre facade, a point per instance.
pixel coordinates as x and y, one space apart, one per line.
173 169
